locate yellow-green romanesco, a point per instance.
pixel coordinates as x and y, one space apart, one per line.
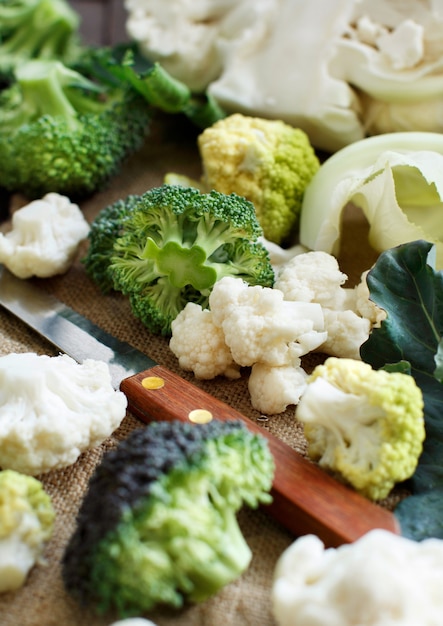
26 523
267 161
365 425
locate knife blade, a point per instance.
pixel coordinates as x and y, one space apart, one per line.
305 498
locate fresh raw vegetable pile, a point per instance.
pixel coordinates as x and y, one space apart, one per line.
238 271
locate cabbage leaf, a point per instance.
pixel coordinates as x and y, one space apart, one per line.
406 285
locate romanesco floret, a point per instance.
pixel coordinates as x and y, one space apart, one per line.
267 161
26 524
171 245
365 425
158 523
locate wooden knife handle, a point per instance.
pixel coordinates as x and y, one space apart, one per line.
305 498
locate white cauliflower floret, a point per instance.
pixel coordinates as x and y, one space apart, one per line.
44 238
382 579
347 331
259 326
315 277
364 305
200 345
348 313
273 389
52 409
133 621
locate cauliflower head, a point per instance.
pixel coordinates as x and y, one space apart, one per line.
382 579
259 326
365 425
26 524
44 238
268 162
199 344
52 409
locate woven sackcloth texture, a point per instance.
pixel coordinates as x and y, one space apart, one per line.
43 600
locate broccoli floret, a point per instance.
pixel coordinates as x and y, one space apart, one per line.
26 523
61 132
158 524
267 161
365 425
171 246
37 29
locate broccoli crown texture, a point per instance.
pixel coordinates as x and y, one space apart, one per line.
158 523
267 161
171 246
366 425
36 29
61 132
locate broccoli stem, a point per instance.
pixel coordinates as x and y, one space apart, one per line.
40 29
234 557
49 88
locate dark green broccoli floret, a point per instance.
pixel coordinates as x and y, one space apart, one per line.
158 523
61 132
37 29
171 246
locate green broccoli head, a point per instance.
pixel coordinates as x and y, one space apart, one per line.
158 523
37 29
267 161
172 246
365 425
26 523
61 132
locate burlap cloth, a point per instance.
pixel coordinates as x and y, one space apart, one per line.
246 602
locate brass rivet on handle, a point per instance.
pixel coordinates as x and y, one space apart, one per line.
200 416
153 382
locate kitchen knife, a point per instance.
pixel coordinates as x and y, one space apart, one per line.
305 498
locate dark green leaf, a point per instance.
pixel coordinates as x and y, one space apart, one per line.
405 284
421 516
438 372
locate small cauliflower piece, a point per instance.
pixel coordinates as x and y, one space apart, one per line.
199 344
382 579
347 331
349 315
267 161
273 389
26 524
44 238
314 276
259 326
365 425
365 306
133 621
52 409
